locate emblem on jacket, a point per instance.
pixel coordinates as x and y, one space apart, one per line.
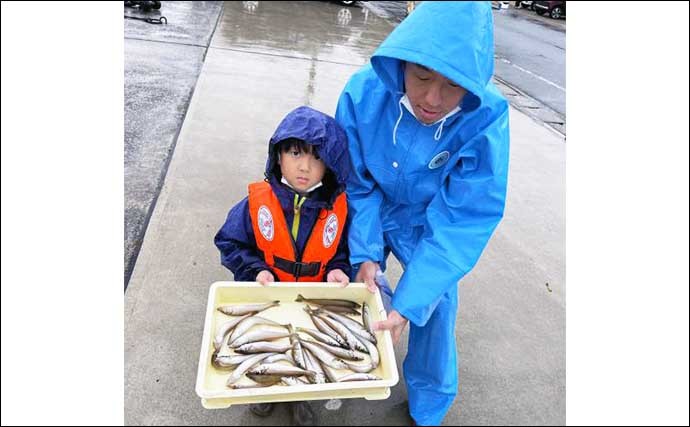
265 223
330 230
439 160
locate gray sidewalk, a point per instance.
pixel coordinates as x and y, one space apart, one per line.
262 62
162 64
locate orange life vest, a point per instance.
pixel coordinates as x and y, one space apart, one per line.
274 239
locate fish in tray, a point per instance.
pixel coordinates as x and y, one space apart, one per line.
241 309
225 329
259 335
248 323
260 353
328 301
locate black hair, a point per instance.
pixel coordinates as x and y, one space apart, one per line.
297 144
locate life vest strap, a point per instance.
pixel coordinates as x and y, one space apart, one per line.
297 269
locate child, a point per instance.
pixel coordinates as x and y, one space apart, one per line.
292 226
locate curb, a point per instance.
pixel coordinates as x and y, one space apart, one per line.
532 108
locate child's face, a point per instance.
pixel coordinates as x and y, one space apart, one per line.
431 94
302 170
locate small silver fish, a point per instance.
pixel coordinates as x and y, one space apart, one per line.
280 358
264 380
354 326
339 309
342 330
228 361
327 301
297 353
373 352
362 369
323 327
281 370
358 377
239 310
262 347
244 367
225 329
320 336
329 373
259 335
324 356
337 351
367 321
248 323
314 365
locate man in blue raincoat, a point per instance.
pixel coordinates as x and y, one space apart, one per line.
428 140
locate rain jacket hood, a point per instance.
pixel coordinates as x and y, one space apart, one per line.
464 54
321 131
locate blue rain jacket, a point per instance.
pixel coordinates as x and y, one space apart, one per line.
235 239
431 194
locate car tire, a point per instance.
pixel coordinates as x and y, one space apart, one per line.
556 12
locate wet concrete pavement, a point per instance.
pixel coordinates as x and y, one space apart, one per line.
162 63
264 59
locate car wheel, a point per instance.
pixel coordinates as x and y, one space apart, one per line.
556 12
539 11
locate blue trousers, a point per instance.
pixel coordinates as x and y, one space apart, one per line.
430 368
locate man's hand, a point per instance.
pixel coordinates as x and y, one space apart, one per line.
395 323
264 277
337 275
367 272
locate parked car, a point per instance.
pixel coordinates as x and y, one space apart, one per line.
555 9
525 4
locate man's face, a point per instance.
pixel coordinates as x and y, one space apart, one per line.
431 94
302 170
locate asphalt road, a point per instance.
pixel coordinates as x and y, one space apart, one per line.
530 55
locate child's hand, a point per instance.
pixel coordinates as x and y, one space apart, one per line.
337 275
264 277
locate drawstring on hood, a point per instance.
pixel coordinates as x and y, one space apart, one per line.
439 131
395 129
